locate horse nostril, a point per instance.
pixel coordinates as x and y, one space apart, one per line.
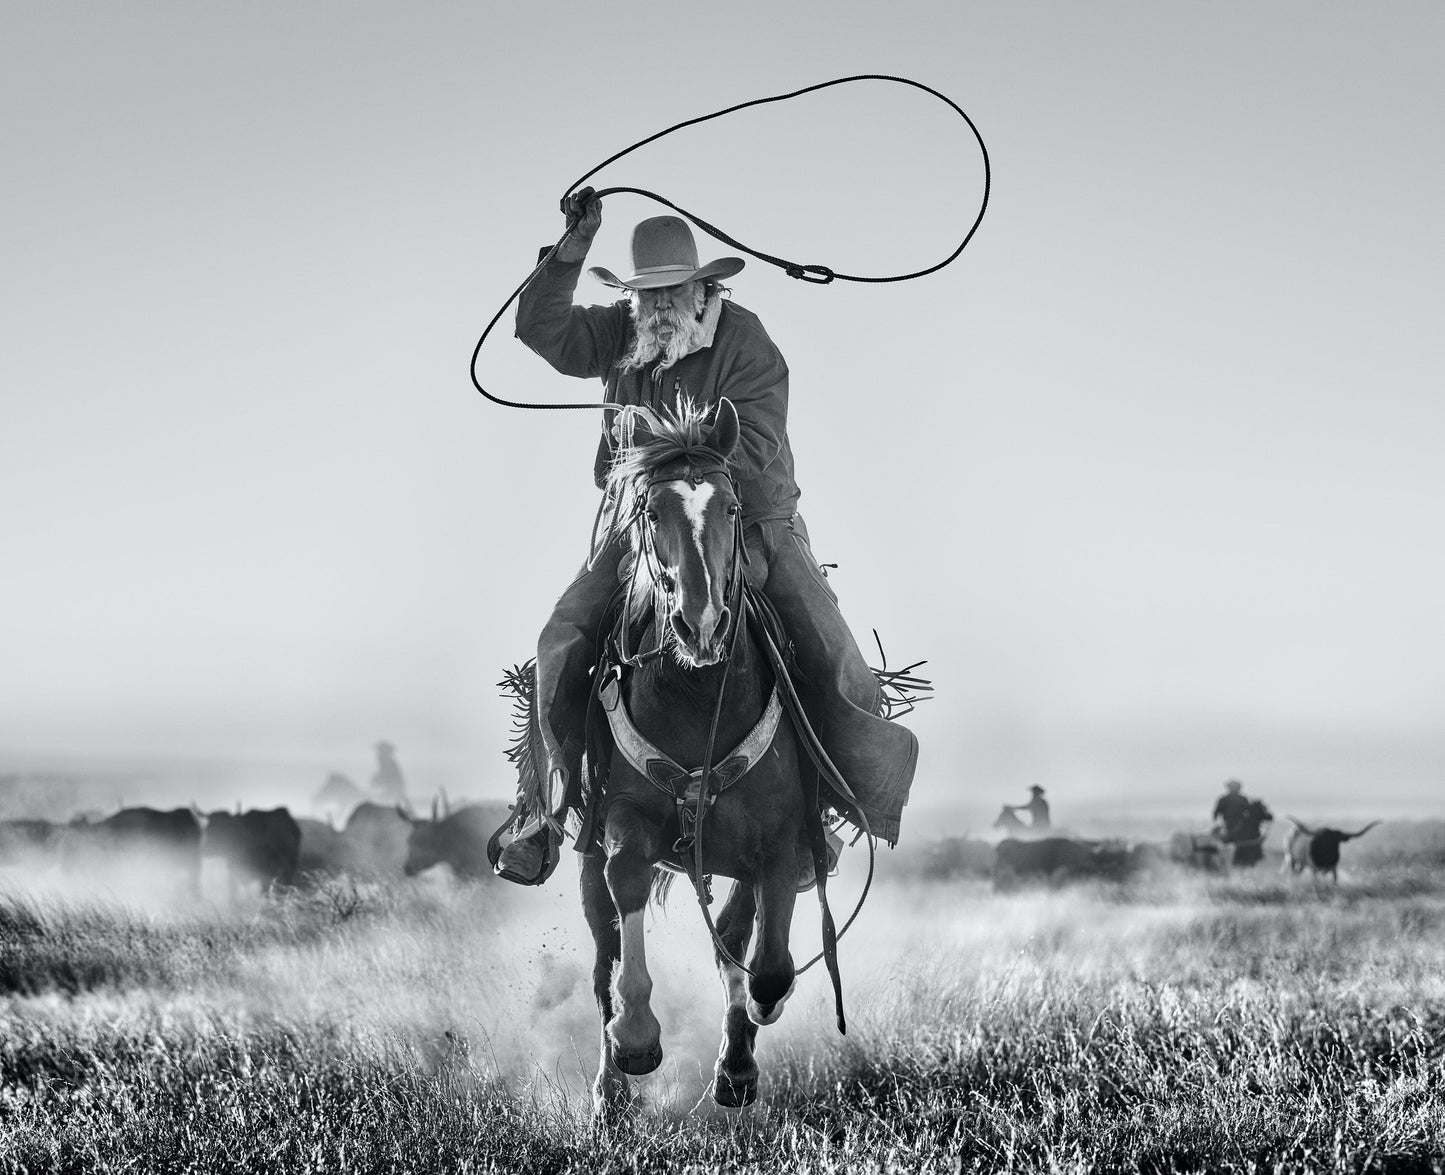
681 627
720 633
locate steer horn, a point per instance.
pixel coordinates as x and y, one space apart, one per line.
1352 835
1304 828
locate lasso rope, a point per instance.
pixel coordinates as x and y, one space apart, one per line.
815 274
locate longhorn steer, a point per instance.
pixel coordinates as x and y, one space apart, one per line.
170 839
28 842
1319 849
459 840
260 845
376 836
323 849
1054 859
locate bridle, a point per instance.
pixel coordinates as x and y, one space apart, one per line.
645 561
747 608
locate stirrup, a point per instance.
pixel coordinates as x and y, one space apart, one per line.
547 836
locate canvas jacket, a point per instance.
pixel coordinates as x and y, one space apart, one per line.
741 363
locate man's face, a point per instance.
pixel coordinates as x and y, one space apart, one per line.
667 323
666 307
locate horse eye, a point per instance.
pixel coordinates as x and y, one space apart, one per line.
733 510
652 517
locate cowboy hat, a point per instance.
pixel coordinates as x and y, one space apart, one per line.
664 254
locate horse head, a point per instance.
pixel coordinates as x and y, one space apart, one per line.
1007 819
686 531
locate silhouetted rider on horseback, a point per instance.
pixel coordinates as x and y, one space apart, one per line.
1239 821
676 336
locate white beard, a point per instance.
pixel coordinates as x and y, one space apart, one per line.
688 332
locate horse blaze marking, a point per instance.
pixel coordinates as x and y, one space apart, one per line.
695 499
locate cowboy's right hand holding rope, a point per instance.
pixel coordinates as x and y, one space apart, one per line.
583 211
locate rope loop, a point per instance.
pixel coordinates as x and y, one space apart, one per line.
817 275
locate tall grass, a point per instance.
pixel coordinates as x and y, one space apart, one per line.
1184 1025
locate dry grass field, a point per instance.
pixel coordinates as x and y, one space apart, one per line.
1174 1023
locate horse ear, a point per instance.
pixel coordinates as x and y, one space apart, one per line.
723 437
634 427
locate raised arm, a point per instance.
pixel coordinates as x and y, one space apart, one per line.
581 341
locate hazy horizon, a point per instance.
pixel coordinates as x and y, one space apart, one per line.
1151 476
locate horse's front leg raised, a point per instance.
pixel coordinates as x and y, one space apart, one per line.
735 1076
771 982
633 1034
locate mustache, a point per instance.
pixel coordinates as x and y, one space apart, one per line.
669 317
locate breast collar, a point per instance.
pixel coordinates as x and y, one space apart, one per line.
664 772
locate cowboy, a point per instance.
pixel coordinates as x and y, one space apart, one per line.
1231 809
388 785
1037 808
675 335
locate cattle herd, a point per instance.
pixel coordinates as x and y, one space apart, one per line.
257 849
1020 859
270 849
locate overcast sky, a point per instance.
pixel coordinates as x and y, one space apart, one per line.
1152 476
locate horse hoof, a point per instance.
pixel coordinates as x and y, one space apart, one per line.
637 1062
735 1092
765 1014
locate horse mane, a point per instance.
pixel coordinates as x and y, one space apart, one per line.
669 436
675 435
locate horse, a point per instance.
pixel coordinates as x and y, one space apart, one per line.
706 683
1009 821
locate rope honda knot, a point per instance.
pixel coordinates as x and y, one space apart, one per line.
819 275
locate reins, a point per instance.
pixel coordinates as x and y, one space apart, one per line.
814 274
747 609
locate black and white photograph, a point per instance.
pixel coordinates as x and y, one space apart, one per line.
750 588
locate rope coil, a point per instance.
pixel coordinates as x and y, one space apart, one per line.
812 274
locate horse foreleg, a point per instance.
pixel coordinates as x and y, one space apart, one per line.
633 1032
610 1092
771 982
735 1076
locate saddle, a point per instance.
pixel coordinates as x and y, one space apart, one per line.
608 727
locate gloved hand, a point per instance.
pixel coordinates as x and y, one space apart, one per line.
583 211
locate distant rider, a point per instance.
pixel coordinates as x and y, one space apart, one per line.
1231 809
1037 808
